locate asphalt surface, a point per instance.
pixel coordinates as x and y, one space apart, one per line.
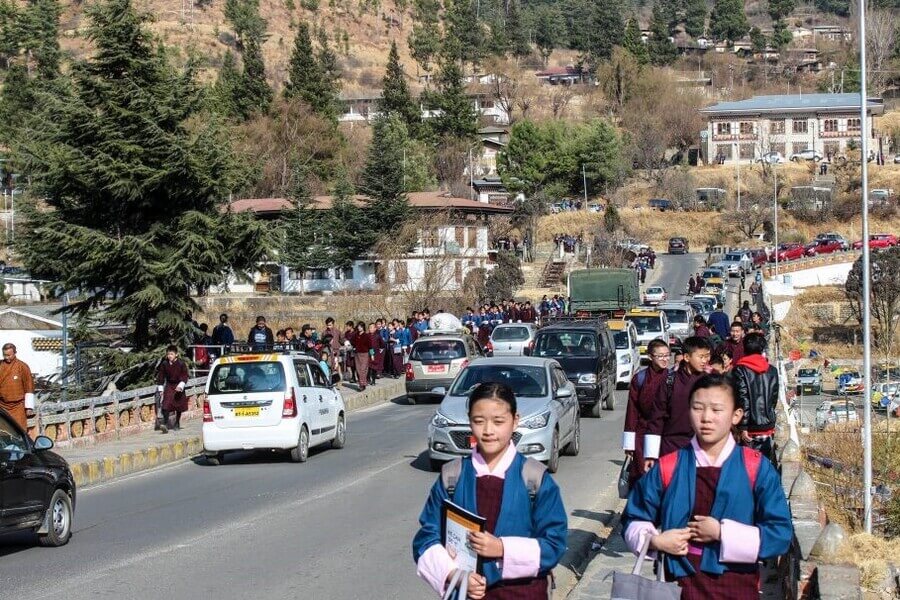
258 526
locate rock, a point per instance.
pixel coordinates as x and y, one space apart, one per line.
791 452
830 541
804 488
890 586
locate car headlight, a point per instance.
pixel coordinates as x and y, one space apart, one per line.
536 422
587 378
625 359
440 421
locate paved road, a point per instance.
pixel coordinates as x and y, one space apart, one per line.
259 526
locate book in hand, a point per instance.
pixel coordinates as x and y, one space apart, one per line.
456 524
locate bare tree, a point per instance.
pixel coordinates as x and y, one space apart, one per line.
560 97
748 220
881 39
885 300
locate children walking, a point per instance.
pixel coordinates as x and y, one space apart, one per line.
642 392
526 526
714 508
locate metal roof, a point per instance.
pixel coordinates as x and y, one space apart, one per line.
794 103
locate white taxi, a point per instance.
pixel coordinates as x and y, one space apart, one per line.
270 401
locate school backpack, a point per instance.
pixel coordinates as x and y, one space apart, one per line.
532 473
641 378
752 459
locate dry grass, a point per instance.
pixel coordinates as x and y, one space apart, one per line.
871 554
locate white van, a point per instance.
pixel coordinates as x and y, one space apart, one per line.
628 357
270 402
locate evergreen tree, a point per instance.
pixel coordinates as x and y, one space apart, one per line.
728 21
245 19
307 79
577 14
464 37
515 31
395 95
695 18
779 9
228 87
9 30
660 48
781 37
349 226
39 36
425 39
383 177
758 40
134 192
17 102
607 30
549 29
255 93
457 118
634 44
329 63
302 240
250 93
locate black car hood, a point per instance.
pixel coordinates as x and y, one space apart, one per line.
577 365
50 458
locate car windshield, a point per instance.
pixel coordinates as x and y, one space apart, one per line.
734 257
709 273
655 290
807 373
676 315
247 377
438 350
510 334
645 324
525 381
621 338
566 343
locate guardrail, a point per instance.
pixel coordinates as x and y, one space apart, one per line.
86 418
801 264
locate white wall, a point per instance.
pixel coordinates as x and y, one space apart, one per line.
41 363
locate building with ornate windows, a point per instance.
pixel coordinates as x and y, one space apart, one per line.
747 129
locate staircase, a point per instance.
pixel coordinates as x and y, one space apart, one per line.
551 277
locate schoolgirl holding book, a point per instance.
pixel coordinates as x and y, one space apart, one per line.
526 528
714 508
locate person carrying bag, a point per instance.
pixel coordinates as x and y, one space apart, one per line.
633 586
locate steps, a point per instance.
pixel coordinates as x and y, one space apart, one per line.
552 274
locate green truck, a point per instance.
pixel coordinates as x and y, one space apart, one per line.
606 292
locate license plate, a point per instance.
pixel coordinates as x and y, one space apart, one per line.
643 349
251 411
436 368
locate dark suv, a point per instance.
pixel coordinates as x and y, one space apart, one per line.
678 245
587 352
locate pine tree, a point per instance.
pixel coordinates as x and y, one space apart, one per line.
245 19
548 30
350 229
383 177
695 18
758 40
227 89
464 37
134 192
17 101
728 21
395 96
256 95
329 63
781 37
607 30
634 44
425 39
457 118
515 31
307 79
39 36
779 9
250 93
9 30
302 240
660 48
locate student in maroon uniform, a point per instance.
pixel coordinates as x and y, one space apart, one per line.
642 392
362 344
735 343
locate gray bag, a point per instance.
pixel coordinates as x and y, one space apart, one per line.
625 478
631 586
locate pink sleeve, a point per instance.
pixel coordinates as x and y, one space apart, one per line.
739 543
521 557
434 565
636 533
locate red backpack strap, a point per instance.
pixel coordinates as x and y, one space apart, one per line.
752 460
667 465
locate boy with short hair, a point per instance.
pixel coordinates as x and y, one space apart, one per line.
757 387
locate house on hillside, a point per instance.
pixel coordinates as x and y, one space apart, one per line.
363 107
457 244
832 33
37 334
569 75
743 131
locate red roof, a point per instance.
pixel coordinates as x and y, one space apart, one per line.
420 200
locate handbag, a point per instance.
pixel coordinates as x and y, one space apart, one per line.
625 477
632 586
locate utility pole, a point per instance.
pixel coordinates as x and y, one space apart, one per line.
866 273
65 346
584 179
737 162
775 175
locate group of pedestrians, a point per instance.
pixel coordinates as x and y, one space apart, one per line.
567 242
643 262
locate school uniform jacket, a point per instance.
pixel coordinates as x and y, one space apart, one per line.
533 533
756 524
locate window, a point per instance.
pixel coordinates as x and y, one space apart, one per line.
723 128
294 275
801 126
303 378
246 377
430 238
346 273
316 274
401 272
781 148
460 233
725 150
318 377
525 380
852 124
747 151
747 127
472 237
776 126
457 272
11 440
830 125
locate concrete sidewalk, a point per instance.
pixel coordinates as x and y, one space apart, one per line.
148 449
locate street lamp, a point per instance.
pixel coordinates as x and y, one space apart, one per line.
775 199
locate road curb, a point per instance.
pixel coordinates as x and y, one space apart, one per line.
583 532
110 467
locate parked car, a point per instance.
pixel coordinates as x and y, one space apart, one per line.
550 422
807 154
758 257
586 352
850 382
771 158
735 264
37 488
681 318
786 252
897 159
879 240
836 237
660 204
835 411
885 394
628 356
701 308
270 402
809 381
824 247
678 245
655 294
651 324
511 339
435 359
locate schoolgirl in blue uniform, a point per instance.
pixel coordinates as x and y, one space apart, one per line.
714 508
525 537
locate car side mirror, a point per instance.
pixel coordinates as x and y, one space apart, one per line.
565 392
439 391
42 443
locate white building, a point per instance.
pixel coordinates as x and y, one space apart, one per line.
745 130
37 336
457 244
